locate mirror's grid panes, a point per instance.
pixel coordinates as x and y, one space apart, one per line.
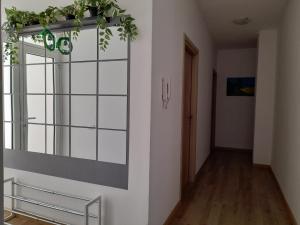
71 106
8 103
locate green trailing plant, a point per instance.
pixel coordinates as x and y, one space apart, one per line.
92 3
46 17
127 28
92 7
32 19
79 10
105 11
50 15
108 9
16 21
70 13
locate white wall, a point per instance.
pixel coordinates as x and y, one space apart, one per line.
265 96
235 114
286 154
171 19
126 207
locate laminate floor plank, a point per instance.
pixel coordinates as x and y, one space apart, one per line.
231 191
23 220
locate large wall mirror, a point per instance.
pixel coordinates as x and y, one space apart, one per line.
68 115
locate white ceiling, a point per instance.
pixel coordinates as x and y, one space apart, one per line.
219 15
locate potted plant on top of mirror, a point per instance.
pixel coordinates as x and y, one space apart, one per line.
103 8
50 15
106 11
68 12
126 27
74 12
16 21
32 19
92 6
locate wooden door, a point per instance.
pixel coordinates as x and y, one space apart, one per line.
187 121
213 111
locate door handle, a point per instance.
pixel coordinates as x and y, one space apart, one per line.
31 118
28 118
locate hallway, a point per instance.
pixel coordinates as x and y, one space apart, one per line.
230 191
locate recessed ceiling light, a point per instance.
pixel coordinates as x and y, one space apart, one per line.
242 21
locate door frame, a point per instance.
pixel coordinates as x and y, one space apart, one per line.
188 45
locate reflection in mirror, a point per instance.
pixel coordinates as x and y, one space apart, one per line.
35 79
50 140
7 79
84 78
35 109
83 111
83 143
34 59
72 106
50 109
113 79
60 110
61 79
113 112
117 50
8 108
62 141
8 141
112 146
36 138
85 47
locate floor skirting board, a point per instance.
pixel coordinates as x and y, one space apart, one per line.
180 207
291 214
218 148
173 214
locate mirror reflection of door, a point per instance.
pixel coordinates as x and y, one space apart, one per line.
39 82
29 92
74 106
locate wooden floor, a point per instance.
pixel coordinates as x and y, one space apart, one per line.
22 220
230 191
